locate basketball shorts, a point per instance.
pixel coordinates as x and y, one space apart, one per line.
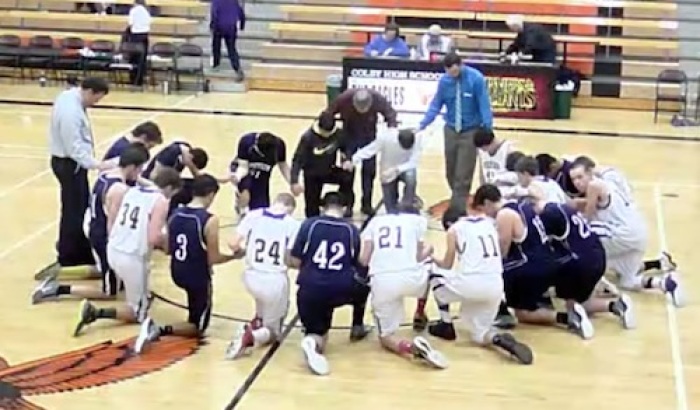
624 252
199 301
134 271
316 304
388 291
577 278
259 192
110 283
479 296
525 285
271 294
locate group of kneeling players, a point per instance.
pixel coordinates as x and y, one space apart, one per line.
535 224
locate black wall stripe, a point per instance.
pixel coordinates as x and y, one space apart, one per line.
607 61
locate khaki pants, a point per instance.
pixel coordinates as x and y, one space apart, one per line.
460 163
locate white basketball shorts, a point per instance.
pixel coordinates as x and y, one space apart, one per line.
271 294
134 271
388 292
624 252
479 296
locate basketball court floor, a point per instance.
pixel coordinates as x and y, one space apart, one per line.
655 367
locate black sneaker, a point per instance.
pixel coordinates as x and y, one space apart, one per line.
520 351
359 332
420 322
88 314
443 330
505 321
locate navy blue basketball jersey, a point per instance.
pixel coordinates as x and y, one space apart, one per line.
563 178
189 262
328 248
260 164
571 235
170 156
116 149
534 248
98 215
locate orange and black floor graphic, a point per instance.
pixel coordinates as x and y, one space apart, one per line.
104 363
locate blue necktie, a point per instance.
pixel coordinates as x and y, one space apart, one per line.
458 106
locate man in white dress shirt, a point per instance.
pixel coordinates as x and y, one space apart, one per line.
399 152
139 27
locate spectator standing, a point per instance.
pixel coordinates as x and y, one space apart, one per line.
359 109
434 42
138 30
72 155
388 44
532 39
463 91
227 17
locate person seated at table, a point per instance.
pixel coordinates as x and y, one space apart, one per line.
433 42
388 44
532 39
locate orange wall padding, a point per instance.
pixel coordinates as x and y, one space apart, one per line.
486 6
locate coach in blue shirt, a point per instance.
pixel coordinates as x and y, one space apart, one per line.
464 92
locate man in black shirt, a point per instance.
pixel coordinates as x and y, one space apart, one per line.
318 155
532 39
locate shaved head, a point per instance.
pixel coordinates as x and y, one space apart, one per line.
362 100
286 199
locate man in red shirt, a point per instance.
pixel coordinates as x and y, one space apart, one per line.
359 109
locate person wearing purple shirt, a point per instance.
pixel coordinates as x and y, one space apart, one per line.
147 133
250 171
388 44
226 18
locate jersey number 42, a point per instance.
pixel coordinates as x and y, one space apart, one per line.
328 256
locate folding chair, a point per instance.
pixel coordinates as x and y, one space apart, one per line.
162 61
70 59
42 60
10 56
666 78
103 55
185 66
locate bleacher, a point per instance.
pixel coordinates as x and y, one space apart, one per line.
619 46
52 32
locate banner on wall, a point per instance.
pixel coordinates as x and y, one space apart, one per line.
516 91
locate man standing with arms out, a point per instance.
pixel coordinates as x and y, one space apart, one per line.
72 155
226 17
463 91
358 108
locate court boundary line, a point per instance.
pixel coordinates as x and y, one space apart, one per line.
671 316
238 113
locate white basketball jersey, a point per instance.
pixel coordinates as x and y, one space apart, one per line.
395 239
130 230
268 237
478 250
494 165
615 177
552 191
620 214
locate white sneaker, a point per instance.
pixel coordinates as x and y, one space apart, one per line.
148 333
236 349
624 309
667 263
580 323
424 351
315 361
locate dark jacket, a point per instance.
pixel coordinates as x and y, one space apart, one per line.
536 41
317 153
362 128
226 16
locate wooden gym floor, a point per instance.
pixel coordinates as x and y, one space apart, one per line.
655 367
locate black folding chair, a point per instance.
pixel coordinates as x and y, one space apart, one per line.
39 56
663 94
10 48
118 68
103 55
190 61
162 61
70 59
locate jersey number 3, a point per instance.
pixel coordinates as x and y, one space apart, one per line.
328 257
130 216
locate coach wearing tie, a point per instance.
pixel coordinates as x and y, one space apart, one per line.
72 155
464 93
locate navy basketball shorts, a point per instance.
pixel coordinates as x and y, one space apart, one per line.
577 279
111 285
199 301
525 285
259 192
316 306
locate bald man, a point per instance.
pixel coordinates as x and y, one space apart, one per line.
359 109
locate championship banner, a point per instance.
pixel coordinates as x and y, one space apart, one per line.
518 91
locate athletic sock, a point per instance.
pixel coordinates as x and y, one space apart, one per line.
652 264
611 307
358 314
562 318
63 290
445 313
651 283
420 308
405 347
503 309
166 330
106 313
261 336
496 339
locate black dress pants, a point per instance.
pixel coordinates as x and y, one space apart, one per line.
73 247
138 60
313 187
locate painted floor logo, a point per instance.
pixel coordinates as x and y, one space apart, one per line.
97 365
437 210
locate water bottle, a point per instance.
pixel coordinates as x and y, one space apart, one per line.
165 87
42 81
414 53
